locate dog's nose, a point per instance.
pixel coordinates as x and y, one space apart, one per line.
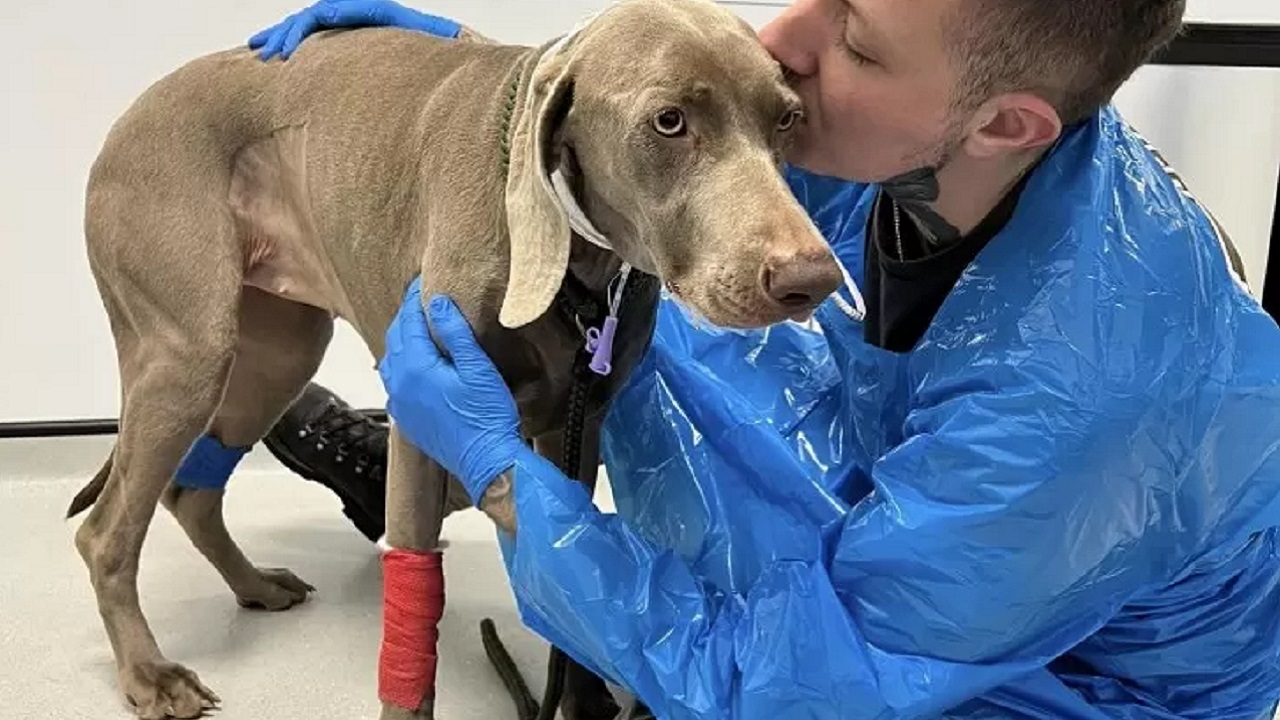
800 282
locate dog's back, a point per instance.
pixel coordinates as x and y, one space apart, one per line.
357 87
315 162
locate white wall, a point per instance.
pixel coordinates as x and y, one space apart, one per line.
69 67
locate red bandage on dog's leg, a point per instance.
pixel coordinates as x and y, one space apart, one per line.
412 605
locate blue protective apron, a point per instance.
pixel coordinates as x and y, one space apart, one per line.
1061 504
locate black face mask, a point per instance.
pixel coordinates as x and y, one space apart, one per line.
913 191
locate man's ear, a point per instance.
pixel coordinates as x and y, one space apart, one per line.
537 223
1013 123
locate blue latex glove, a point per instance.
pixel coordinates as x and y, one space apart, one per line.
285 37
456 409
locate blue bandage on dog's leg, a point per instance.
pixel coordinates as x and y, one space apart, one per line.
208 464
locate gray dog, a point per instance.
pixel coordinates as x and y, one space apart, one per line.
238 207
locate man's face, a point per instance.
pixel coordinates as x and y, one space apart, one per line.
876 79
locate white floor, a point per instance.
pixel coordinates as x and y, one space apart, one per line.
317 661
314 662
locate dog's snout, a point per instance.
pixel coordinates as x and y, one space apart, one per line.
800 281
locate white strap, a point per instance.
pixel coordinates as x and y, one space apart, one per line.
858 312
582 225
577 218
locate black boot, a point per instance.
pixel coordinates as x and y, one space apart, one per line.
323 439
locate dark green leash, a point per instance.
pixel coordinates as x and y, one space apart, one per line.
580 308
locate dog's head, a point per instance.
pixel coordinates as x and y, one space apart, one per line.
666 121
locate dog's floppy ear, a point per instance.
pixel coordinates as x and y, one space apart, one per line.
537 222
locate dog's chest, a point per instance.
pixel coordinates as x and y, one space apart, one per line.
551 370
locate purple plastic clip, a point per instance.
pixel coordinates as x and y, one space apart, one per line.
600 345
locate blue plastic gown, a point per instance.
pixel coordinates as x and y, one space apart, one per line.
1062 504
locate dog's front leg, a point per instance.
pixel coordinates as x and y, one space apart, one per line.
413 581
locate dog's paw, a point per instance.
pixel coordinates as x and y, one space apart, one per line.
161 690
273 589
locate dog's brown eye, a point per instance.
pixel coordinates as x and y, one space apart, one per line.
669 122
789 120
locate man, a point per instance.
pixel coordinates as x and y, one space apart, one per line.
1027 468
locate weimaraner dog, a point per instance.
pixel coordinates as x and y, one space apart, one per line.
240 206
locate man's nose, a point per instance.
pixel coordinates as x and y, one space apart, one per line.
792 37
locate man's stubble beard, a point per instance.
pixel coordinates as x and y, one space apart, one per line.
914 190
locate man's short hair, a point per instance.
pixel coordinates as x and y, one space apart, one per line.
1073 53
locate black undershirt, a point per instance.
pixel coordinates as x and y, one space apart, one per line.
902 296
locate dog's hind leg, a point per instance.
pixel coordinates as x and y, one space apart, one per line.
173 314
280 347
